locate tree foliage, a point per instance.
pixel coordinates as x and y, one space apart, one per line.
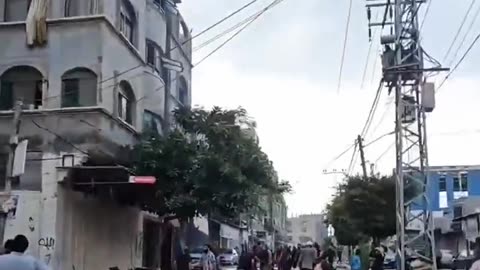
363 207
208 164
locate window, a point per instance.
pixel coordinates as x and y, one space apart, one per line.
183 92
80 7
123 110
70 93
79 88
152 123
126 102
16 10
456 184
154 55
464 182
460 184
442 182
21 83
151 54
127 20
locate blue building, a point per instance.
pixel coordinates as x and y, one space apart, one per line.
450 183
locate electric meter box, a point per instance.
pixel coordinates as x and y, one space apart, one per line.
428 97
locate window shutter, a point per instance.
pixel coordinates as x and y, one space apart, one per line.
6 95
70 93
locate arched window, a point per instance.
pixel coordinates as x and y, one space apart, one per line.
79 88
127 20
183 91
126 102
21 83
16 10
80 7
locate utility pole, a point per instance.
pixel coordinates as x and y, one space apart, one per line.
362 156
13 142
403 69
167 72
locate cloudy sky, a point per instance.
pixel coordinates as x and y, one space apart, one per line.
284 70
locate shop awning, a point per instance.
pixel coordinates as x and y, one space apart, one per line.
115 182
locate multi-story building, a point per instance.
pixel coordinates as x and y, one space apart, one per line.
92 77
449 184
306 228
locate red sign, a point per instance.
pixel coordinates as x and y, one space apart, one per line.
142 180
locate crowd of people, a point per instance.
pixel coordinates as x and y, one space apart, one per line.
305 257
13 256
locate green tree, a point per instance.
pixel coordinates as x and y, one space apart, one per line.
208 164
338 216
371 205
363 207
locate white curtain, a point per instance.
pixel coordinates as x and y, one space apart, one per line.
36 23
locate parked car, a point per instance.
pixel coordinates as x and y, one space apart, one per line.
228 257
195 256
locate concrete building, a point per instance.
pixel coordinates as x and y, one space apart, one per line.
306 228
450 183
91 75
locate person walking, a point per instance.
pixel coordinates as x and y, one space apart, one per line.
377 257
247 260
208 260
308 255
18 260
356 262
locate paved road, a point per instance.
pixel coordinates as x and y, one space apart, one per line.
228 268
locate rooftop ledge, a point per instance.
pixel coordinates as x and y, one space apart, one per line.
71 111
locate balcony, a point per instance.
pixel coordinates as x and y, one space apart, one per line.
90 130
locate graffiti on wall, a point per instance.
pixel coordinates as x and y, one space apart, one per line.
48 244
31 224
9 205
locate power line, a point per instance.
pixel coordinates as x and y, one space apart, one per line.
140 65
372 111
271 5
59 136
340 155
349 14
379 138
385 152
227 31
459 62
352 160
186 41
365 69
157 89
220 21
426 14
470 27
464 20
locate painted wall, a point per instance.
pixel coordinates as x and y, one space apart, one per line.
449 173
23 216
